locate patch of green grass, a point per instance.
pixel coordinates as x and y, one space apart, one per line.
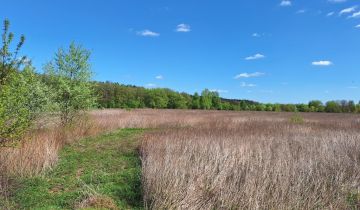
353 200
104 166
297 118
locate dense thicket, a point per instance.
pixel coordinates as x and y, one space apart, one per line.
115 95
23 97
64 90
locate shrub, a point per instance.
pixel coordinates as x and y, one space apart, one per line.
22 96
297 118
69 77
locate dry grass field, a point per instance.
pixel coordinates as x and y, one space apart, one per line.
221 160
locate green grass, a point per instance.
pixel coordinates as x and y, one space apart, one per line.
106 167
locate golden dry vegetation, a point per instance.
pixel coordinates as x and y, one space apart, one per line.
219 159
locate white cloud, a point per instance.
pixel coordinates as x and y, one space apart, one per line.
300 11
244 84
256 35
358 26
355 15
248 75
150 85
347 10
337 1
285 3
183 28
352 87
255 57
330 14
322 63
219 91
148 33
159 77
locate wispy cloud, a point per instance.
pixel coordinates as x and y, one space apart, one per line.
322 63
147 33
352 87
219 90
183 28
248 75
255 57
358 26
330 14
301 11
355 15
337 1
256 35
159 77
347 10
244 84
150 85
285 3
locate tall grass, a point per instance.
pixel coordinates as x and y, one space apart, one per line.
254 164
216 159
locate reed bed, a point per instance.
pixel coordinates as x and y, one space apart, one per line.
217 159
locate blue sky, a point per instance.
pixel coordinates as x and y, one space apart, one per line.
286 51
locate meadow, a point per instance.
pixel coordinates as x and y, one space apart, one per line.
188 159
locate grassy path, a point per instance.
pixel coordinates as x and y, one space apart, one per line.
103 172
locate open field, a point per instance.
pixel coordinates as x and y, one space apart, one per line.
211 159
260 163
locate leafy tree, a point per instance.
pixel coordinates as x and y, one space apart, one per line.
316 106
302 107
9 62
206 99
332 106
23 97
215 100
176 101
358 108
352 106
269 107
196 101
70 74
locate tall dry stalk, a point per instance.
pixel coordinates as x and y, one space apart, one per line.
254 164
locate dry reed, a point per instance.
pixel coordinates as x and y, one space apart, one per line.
217 159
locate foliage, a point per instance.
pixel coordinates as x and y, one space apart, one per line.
296 118
69 77
22 95
9 61
115 95
332 106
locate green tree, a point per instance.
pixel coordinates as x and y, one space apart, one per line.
215 100
316 106
9 62
196 101
332 106
70 74
352 106
23 97
206 99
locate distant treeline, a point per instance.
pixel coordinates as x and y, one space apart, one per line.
115 95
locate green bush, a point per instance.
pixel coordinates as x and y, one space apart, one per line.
69 77
297 118
22 96
22 100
